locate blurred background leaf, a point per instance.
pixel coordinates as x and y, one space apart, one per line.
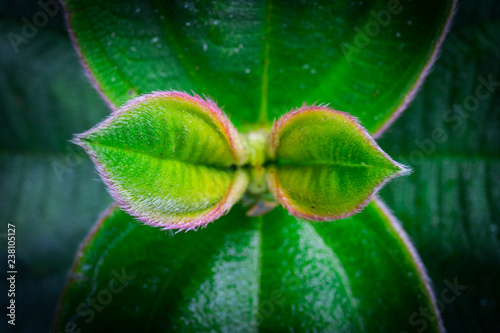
450 204
48 188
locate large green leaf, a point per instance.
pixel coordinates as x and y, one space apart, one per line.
261 58
271 273
451 138
48 188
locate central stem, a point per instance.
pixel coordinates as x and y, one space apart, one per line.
255 142
257 190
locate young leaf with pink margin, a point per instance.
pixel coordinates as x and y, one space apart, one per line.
168 158
328 166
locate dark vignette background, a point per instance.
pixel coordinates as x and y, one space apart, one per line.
449 205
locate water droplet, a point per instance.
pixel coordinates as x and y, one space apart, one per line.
205 47
133 49
113 34
398 34
188 23
313 71
483 302
137 10
154 40
113 79
240 46
305 66
247 70
236 50
409 22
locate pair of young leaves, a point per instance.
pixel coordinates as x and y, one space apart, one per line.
175 161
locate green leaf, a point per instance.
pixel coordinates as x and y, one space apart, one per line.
167 159
451 138
328 165
242 274
261 58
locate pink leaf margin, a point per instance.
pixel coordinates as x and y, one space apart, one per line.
85 65
408 98
395 224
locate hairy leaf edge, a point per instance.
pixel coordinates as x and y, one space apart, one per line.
72 277
419 265
81 57
219 118
410 95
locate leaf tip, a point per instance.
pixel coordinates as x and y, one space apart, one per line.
403 170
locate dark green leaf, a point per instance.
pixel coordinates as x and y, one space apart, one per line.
451 138
242 274
48 188
259 59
